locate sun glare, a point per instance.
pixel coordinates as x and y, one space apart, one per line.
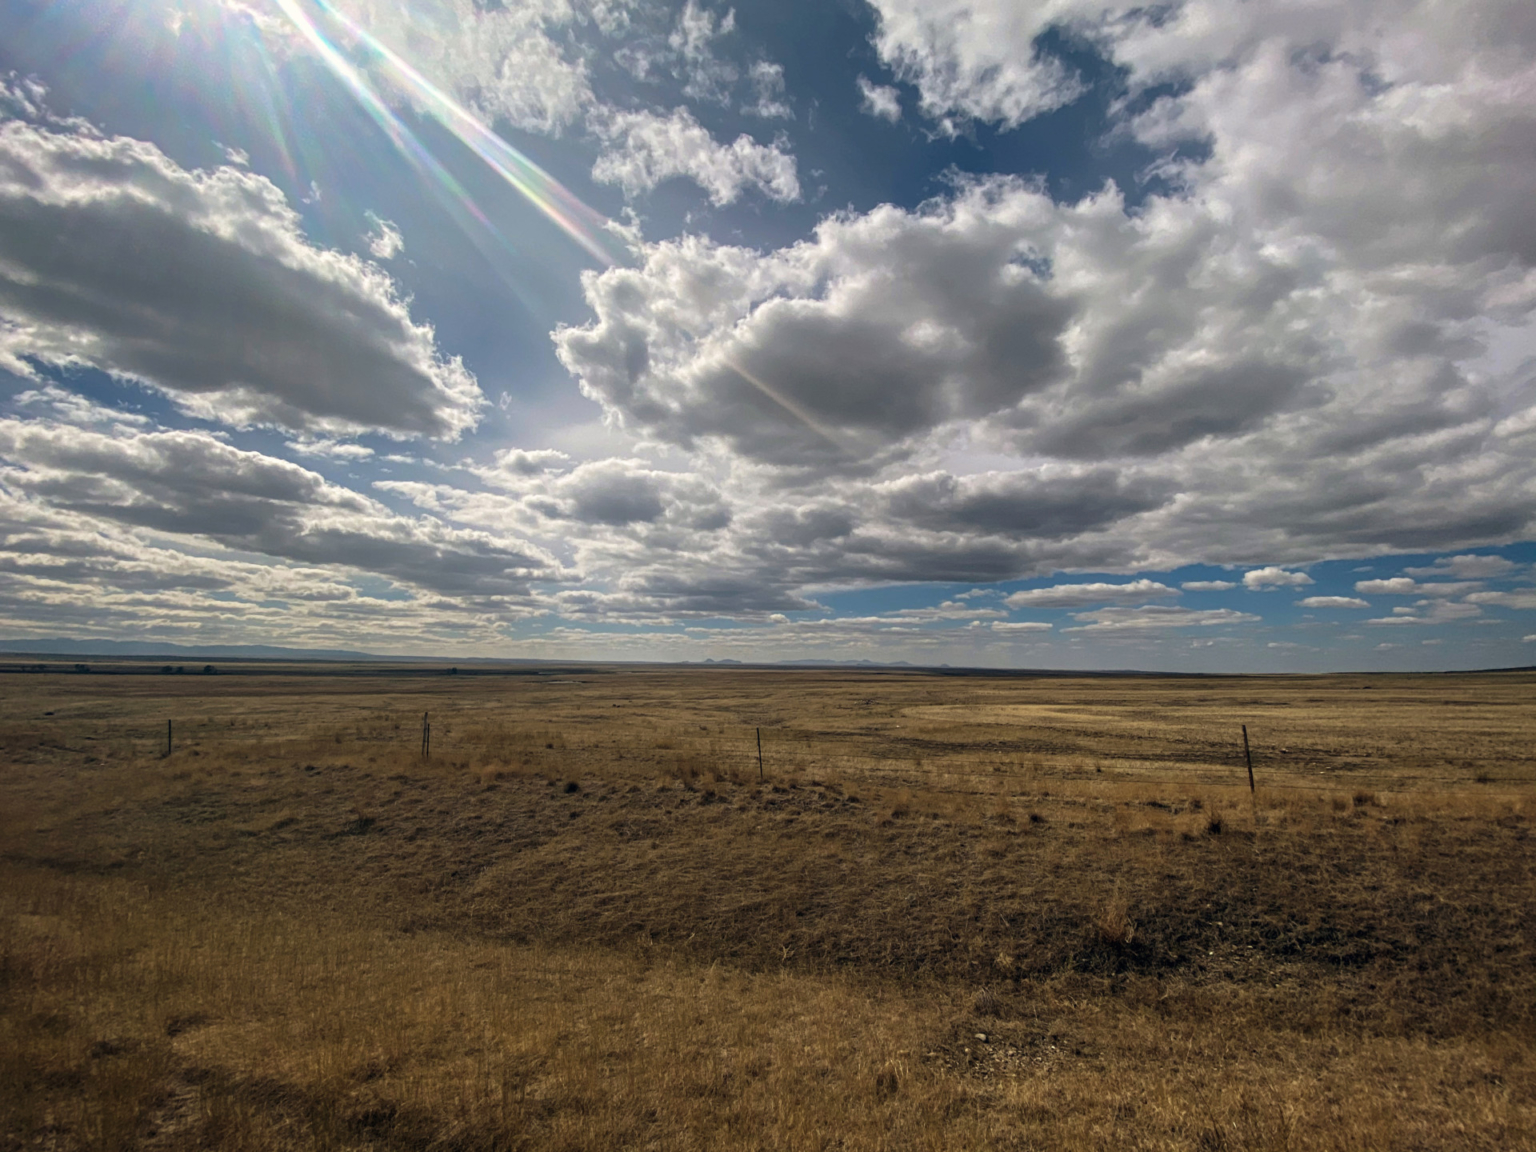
582 223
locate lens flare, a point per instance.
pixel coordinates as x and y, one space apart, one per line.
380 112
583 224
790 405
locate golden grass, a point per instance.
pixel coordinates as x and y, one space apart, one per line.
957 913
196 1026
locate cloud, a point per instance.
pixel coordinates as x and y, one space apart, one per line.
768 88
521 462
1077 595
975 61
948 610
201 285
1016 627
1157 618
194 485
1273 352
642 149
1430 612
879 100
1467 567
62 573
330 449
1403 586
1232 386
1333 602
72 408
1018 504
1393 586
977 594
828 353
384 241
506 61
706 76
614 492
1207 585
1258 337
690 50
1521 598
619 492
1273 577
526 64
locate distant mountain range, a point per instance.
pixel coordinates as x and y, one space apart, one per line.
55 646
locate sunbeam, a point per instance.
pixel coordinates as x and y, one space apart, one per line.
582 223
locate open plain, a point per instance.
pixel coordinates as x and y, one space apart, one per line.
943 911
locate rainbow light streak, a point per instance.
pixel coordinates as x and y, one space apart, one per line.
585 225
404 139
274 124
789 405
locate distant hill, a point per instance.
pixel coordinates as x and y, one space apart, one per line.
57 646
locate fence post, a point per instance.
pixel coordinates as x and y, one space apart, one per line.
1248 756
167 737
426 737
759 755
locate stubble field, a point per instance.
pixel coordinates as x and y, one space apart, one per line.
948 912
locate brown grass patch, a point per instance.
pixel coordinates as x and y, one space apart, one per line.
980 913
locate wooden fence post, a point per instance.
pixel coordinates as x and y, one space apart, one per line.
759 755
167 737
1248 756
426 737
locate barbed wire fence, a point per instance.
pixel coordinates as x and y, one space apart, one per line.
878 757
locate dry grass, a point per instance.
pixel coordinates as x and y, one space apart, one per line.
957 913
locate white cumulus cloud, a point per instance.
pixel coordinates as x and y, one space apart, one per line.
1467 567
508 62
1521 598
193 485
1405 586
1157 618
384 240
880 100
975 60
1273 577
1077 595
202 285
1017 627
642 149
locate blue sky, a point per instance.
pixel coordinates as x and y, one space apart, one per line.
1057 334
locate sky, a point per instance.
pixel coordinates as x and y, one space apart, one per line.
1195 337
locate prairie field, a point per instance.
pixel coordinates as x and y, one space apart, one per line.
936 911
